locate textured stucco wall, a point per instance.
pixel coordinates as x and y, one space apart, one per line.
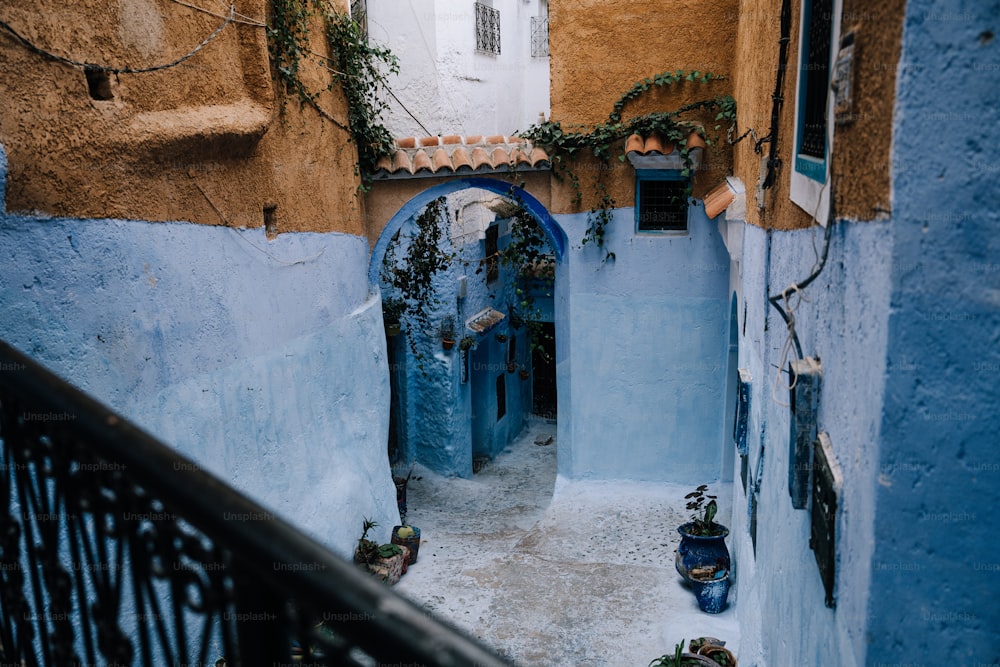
844 323
262 361
643 353
588 78
933 601
210 140
449 86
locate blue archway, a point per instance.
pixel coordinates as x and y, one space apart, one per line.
553 232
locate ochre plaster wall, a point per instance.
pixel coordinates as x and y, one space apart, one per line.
599 48
210 140
861 148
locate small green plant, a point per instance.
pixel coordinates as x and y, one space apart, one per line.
389 550
467 343
676 659
703 516
367 550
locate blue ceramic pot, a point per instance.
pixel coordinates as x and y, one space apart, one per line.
711 593
697 551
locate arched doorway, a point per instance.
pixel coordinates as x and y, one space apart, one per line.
452 404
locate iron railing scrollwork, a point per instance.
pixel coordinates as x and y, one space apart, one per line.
487 29
115 550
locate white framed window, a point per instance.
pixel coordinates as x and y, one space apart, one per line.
819 34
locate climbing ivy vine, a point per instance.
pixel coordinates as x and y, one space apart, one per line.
359 69
600 140
411 275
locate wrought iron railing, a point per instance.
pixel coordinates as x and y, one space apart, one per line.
487 29
115 550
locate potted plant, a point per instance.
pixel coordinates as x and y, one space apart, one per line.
385 561
467 343
447 332
393 310
703 541
679 658
407 536
713 648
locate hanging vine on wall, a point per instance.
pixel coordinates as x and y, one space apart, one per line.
564 145
359 69
411 276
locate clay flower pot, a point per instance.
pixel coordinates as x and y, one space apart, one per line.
412 543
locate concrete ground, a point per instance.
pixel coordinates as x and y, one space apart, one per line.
547 573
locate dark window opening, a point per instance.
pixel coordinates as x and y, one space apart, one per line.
98 84
501 396
492 256
662 205
543 364
271 221
816 72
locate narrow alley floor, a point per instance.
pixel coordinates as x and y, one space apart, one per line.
547 573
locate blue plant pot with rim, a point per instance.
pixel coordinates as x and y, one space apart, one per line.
711 593
701 551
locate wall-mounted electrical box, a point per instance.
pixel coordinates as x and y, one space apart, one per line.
827 485
805 376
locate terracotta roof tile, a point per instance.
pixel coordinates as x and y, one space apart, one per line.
634 143
450 154
480 158
401 162
460 158
718 200
441 161
538 156
499 157
421 160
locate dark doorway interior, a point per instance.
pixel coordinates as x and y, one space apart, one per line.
543 363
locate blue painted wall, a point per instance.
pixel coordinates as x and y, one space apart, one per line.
905 318
936 569
264 361
844 323
445 421
642 353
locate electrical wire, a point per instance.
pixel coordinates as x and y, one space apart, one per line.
91 67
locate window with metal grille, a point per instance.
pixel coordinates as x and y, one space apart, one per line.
359 12
539 36
661 203
816 75
487 29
